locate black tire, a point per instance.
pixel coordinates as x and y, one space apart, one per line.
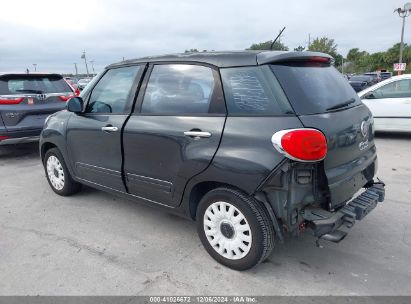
262 230
70 186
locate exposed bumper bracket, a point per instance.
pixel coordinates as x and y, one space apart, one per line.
326 225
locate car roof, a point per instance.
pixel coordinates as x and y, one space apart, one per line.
29 74
226 58
362 76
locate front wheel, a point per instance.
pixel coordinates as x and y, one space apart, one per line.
235 229
57 174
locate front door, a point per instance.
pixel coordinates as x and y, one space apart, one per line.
175 132
94 137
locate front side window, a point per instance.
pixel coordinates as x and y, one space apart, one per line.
395 89
111 94
179 89
253 91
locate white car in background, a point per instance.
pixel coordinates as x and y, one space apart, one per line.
390 103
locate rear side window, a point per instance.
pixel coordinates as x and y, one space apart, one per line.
179 89
314 87
253 91
26 84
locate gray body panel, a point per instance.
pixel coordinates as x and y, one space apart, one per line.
151 160
160 159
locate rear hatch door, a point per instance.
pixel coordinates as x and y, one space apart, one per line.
323 99
27 99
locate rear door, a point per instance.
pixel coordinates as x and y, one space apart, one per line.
94 137
174 132
27 99
391 105
324 100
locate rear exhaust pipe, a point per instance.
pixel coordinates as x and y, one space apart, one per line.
335 236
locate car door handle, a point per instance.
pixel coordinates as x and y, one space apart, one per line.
197 134
109 129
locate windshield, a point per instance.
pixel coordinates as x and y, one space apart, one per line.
314 87
37 84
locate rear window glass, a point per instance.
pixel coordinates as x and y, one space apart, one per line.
254 91
314 87
26 84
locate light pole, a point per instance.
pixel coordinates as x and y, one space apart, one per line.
75 67
85 61
403 13
92 66
35 67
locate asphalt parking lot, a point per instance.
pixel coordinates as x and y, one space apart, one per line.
94 243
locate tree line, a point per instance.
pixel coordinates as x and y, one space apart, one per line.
357 61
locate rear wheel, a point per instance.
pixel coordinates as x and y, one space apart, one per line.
57 174
234 228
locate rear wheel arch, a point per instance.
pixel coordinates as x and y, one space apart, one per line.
198 191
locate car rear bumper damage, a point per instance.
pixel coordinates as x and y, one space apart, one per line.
334 226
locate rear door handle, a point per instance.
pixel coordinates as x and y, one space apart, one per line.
197 134
109 129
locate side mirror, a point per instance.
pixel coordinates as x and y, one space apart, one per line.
369 95
75 105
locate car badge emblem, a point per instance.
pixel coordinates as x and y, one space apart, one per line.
41 96
364 129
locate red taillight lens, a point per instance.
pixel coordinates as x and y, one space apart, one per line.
66 97
77 92
2 137
11 100
301 144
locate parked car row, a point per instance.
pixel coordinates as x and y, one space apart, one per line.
363 81
79 84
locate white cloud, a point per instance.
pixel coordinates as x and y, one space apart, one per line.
53 34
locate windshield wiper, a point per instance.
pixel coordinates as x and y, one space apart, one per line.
342 105
31 91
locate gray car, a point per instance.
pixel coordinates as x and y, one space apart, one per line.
251 145
25 102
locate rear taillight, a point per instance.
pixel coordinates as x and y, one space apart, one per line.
10 100
307 145
66 97
3 137
320 59
77 92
